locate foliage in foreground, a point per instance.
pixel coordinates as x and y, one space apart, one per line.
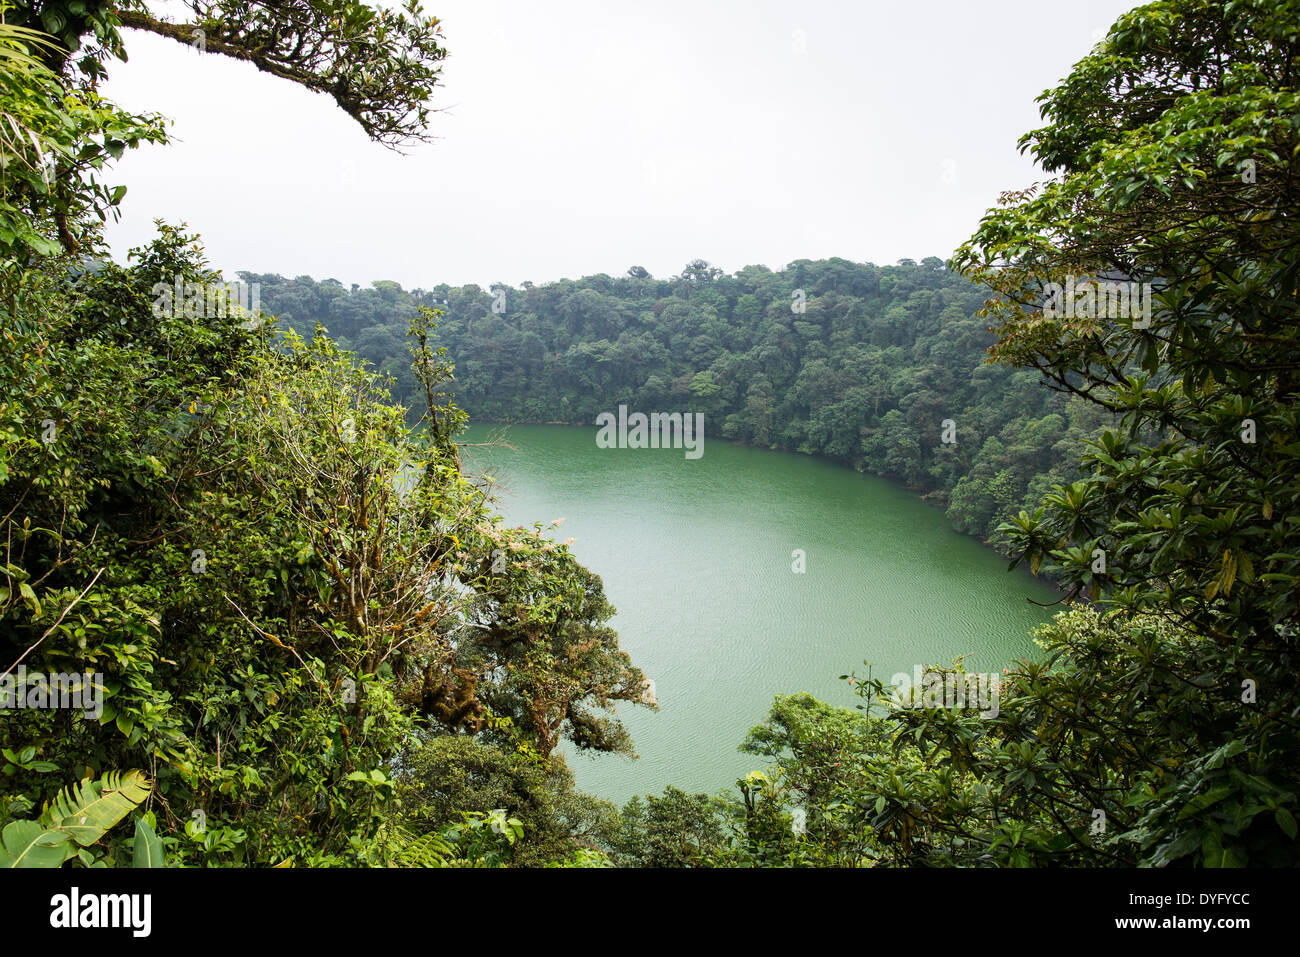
72 824
1161 727
274 588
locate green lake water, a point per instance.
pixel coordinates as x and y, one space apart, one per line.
696 555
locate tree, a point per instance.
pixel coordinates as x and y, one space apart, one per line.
699 271
540 624
54 147
1175 145
448 775
675 829
379 65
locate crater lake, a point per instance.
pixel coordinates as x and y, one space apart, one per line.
699 556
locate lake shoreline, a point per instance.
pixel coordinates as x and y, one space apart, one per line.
917 494
749 574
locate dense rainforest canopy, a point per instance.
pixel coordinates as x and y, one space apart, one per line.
312 641
851 361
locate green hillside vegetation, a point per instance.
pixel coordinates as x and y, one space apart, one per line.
857 363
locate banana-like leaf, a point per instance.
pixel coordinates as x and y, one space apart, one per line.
148 847
85 811
27 844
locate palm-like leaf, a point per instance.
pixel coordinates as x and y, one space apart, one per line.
85 811
19 69
12 41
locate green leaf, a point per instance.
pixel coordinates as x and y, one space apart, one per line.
1202 801
86 811
1285 821
30 596
148 846
27 844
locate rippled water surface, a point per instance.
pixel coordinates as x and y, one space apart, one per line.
696 556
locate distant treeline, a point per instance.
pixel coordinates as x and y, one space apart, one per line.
856 362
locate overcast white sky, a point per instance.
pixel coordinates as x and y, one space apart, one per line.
586 137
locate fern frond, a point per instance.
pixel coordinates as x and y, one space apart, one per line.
405 849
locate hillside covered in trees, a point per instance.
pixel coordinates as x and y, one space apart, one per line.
854 362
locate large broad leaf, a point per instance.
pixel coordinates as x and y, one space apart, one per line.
27 844
85 811
148 847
